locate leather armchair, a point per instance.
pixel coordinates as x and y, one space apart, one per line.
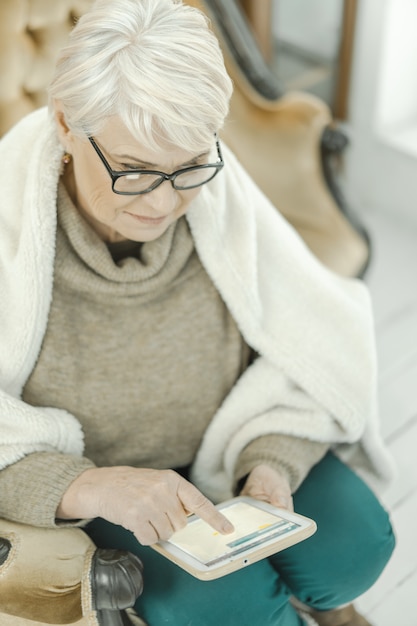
58 576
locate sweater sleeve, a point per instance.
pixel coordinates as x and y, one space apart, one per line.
292 457
32 488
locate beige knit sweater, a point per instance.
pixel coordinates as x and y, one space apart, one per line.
141 348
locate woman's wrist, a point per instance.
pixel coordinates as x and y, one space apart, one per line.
78 501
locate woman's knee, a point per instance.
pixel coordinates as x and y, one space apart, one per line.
353 543
345 566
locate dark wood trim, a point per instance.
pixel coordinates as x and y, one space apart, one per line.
344 66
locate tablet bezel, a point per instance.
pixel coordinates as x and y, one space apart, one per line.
306 528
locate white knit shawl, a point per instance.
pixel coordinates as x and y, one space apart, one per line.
316 373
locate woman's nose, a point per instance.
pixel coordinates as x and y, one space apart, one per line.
163 199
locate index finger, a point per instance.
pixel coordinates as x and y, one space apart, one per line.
195 502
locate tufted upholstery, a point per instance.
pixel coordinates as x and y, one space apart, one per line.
279 146
31 34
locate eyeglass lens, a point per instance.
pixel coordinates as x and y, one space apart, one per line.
140 182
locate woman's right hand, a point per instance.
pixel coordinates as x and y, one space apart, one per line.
153 504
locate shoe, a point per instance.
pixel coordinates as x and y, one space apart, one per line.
346 616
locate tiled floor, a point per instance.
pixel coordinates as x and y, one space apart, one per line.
393 285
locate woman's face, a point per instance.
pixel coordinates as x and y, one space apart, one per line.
116 217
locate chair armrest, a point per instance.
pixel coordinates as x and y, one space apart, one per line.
58 576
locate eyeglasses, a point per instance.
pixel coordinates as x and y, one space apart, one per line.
138 181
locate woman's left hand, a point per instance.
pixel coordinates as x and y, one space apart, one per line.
265 483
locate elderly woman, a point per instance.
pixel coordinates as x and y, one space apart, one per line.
168 341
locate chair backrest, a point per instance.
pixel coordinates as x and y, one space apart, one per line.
31 34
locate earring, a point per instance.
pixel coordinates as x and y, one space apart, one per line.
67 158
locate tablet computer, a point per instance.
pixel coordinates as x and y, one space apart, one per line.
260 531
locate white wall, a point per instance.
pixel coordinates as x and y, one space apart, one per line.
312 25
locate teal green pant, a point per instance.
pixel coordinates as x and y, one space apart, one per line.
353 543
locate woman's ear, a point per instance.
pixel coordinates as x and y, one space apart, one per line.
64 133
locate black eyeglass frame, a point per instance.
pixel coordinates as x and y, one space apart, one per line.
115 175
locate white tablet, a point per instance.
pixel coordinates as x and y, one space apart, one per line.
260 531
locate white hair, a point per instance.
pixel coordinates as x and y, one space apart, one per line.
153 63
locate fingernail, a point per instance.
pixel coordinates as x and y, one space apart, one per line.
228 527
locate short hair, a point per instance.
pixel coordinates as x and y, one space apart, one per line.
155 64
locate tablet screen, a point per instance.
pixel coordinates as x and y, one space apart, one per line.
253 527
